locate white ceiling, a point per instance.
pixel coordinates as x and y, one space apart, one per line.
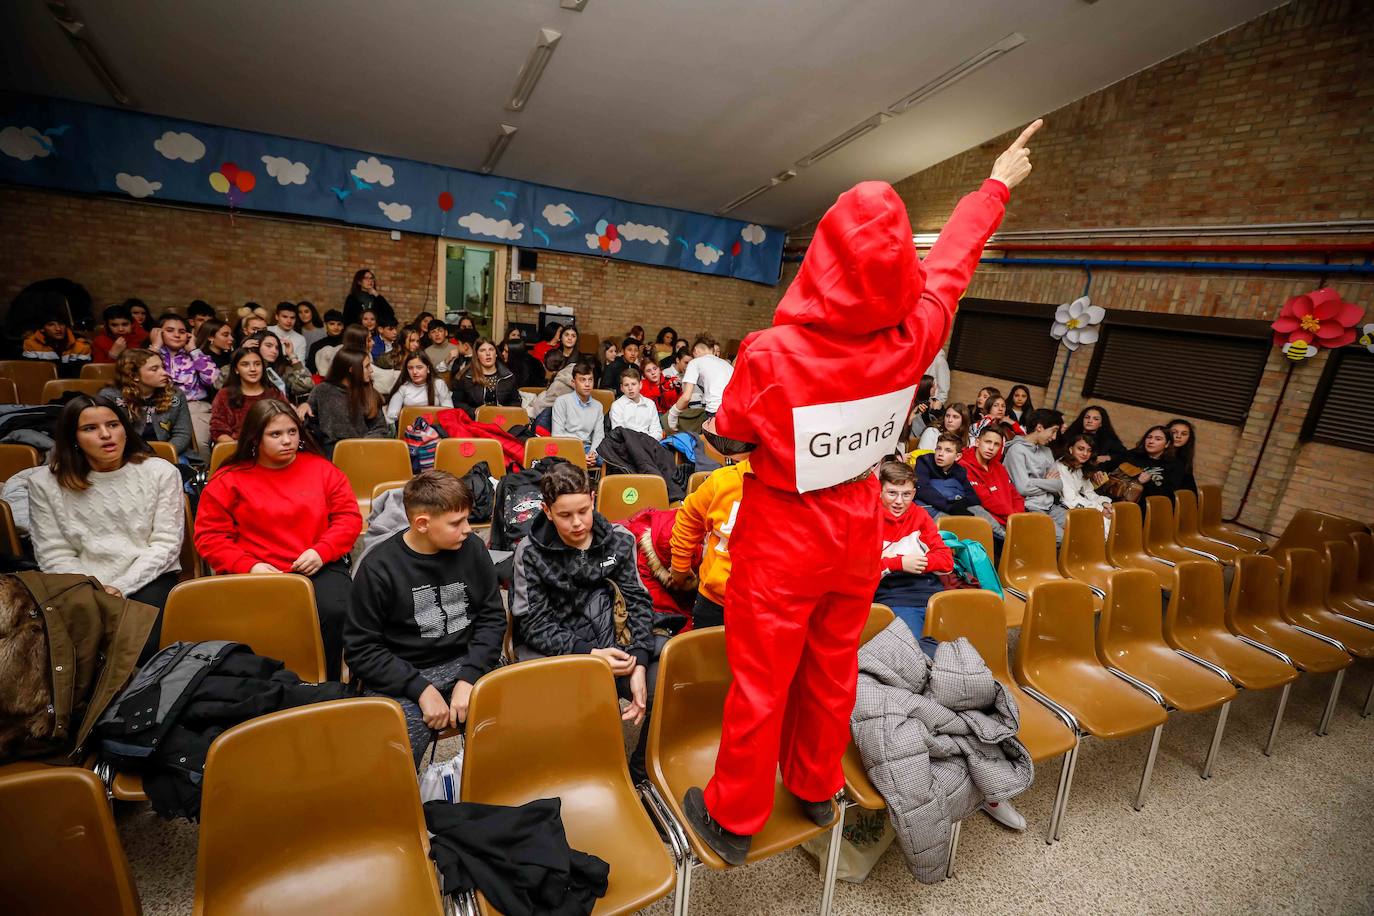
684 103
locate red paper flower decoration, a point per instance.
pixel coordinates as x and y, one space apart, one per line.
1319 318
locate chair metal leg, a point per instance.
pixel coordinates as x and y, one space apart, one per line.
1368 703
1216 740
1149 767
1066 787
832 859
955 830
686 894
1331 703
1278 719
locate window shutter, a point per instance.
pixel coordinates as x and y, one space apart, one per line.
1009 340
1342 411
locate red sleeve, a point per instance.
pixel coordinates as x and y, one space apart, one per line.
892 564
939 558
100 349
345 522
217 535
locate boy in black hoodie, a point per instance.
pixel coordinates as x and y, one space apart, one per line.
333 337
425 618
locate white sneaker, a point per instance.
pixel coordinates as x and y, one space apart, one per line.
1004 814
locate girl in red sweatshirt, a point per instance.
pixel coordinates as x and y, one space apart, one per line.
913 551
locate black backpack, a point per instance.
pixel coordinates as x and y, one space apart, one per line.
518 502
478 479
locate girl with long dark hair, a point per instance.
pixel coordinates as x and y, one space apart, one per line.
1152 461
345 405
1183 437
155 407
418 386
1095 422
244 386
1019 403
364 294
485 382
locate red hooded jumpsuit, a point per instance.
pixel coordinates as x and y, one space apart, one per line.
824 394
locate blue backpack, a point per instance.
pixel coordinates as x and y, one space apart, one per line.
972 563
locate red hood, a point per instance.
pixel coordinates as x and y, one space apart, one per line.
861 272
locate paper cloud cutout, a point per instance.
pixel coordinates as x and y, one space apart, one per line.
136 185
753 233
23 144
707 254
559 214
634 232
484 225
181 146
397 213
373 171
285 171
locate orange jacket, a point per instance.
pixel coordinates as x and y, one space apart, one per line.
708 516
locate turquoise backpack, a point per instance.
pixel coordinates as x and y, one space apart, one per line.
972 563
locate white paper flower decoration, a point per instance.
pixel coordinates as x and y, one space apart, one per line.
1076 323
1367 338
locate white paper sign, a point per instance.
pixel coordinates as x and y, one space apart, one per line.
836 442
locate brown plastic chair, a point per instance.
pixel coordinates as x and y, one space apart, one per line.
9 391
1083 552
1126 548
16 458
1028 559
1130 642
315 810
221 453
970 528
1047 729
9 531
1211 526
191 565
63 855
368 462
605 399
457 456
164 450
409 414
684 734
385 485
1363 542
1310 528
1057 658
1158 534
105 372
1343 581
620 496
566 447
1187 534
1255 614
550 728
29 376
504 417
54 389
589 342
1195 624
1305 585
696 480
535 390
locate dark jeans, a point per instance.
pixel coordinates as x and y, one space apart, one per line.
332 588
154 593
444 677
706 613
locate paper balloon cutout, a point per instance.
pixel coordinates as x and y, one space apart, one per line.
607 237
1315 319
446 201
736 248
1367 338
1076 323
233 181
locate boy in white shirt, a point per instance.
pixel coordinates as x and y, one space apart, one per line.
706 373
631 411
285 329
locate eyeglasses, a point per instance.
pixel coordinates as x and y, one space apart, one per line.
899 496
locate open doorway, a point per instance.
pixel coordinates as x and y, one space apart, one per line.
469 284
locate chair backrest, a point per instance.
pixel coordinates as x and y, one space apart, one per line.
274 613
221 453
1305 580
15 458
385 485
566 447
1363 542
9 391
54 389
693 678
1028 553
10 541
1126 536
1198 600
504 417
1340 565
191 565
368 462
1130 614
29 376
105 372
535 390
1057 629
970 528
1159 524
408 415
1084 545
63 855
696 480
1209 505
457 456
1185 514
605 398
620 496
1256 590
588 342
879 616
1310 528
977 615
309 805
164 450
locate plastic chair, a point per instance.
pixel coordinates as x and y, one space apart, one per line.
696 480
191 565
54 389
164 450
1047 729
620 496
589 342
1158 534
1028 559
9 531
63 855
550 728
566 447
368 462
315 810
221 453
1083 552
684 734
9 391
1363 542
1304 606
1343 581
605 398
504 417
1195 624
1126 548
105 372
457 456
535 390
1210 524
970 528
1309 528
29 376
1130 643
409 415
1187 534
385 485
16 458
1254 613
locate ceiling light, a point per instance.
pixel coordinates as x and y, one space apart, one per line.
784 176
498 148
76 31
576 6
844 139
534 68
954 74
744 199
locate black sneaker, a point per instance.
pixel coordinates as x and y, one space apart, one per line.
732 847
822 812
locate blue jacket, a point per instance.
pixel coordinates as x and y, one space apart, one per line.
944 489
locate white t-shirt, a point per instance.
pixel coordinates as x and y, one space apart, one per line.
299 345
710 374
639 415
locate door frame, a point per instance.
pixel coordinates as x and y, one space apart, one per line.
500 267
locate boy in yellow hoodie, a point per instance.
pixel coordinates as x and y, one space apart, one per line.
708 516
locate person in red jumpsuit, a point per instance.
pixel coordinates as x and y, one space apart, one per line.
818 399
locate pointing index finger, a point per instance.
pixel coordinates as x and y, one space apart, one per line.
1028 133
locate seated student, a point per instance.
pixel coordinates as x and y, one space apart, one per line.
707 517
1153 456
485 382
985 394
143 322
1019 403
663 392
106 507
610 352
155 408
997 496
309 324
114 337
441 353
571 576
1030 463
706 372
277 506
954 420
197 313
923 416
1183 438
632 410
550 342
252 318
942 484
215 339
541 408
376 346
281 368
192 372
995 413
675 366
629 356
285 328
385 337
1094 421
54 342
418 386
345 405
577 414
354 337
912 550
333 337
425 618
1080 481
407 342
243 387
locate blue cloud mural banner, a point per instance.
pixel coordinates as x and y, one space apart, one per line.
77 147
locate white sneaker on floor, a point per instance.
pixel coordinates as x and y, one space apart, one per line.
1004 814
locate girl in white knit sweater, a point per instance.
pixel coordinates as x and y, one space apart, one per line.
419 386
1079 490
107 507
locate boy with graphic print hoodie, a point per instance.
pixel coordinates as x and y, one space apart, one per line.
820 397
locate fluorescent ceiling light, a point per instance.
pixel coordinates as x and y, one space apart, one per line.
744 199
844 139
533 69
76 31
956 73
784 176
498 148
576 6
